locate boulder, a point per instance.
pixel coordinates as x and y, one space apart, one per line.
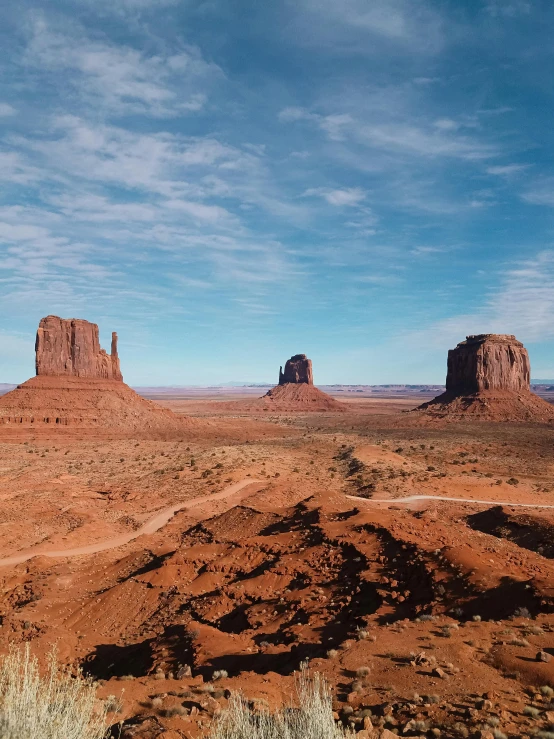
298 370
71 347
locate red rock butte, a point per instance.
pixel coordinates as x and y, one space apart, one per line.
298 370
71 347
296 390
78 384
488 377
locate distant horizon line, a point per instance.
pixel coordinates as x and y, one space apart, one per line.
239 384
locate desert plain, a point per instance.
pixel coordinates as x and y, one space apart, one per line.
408 559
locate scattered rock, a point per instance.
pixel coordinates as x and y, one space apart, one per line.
543 656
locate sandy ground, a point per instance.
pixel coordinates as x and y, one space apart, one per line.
177 570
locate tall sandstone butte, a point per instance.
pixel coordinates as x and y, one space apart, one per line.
488 378
298 370
71 347
488 362
78 384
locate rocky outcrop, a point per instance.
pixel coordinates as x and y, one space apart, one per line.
488 378
298 370
488 362
79 385
71 347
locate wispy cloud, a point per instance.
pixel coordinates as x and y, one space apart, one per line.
415 25
346 196
540 192
521 303
121 78
506 170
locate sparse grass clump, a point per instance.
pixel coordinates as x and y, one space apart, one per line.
313 719
531 711
519 643
522 612
363 672
57 706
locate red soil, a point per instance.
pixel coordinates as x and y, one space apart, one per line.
491 405
83 402
288 568
289 398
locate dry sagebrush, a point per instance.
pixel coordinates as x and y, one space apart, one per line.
313 719
56 706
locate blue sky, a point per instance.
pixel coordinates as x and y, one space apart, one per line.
227 183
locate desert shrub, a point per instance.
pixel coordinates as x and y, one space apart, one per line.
313 719
531 711
57 706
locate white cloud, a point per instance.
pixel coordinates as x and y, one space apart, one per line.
210 213
121 78
507 169
6 110
421 251
289 115
419 142
439 139
15 170
347 25
540 193
446 124
340 197
348 196
522 303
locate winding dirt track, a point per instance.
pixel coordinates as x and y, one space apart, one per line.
162 517
414 498
152 525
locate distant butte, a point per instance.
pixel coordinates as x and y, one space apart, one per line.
488 377
296 390
298 370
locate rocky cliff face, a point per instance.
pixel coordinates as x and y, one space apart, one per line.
488 362
71 347
298 370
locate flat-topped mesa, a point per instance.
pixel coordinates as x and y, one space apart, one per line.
298 370
488 362
71 347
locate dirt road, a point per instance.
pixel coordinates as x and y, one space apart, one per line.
151 526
